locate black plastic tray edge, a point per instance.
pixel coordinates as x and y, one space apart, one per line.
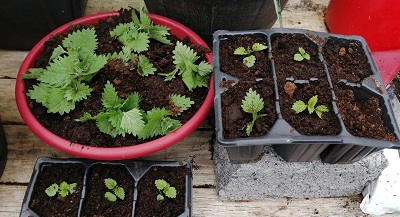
280 138
129 164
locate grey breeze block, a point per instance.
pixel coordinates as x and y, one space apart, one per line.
271 176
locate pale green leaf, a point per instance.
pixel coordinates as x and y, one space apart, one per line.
258 47
64 189
141 42
240 51
161 184
52 190
119 192
298 57
57 103
110 197
159 33
170 192
320 109
299 106
168 125
110 183
160 197
105 126
187 78
311 103
59 72
72 188
306 56
252 102
249 61
302 51
132 121
115 118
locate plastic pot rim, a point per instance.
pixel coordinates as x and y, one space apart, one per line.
114 153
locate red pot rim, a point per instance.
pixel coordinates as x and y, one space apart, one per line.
115 153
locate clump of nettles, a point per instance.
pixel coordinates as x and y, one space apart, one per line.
299 106
252 103
250 59
63 189
193 75
301 55
123 116
165 189
72 66
116 191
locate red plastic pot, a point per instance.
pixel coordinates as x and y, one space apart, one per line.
117 153
377 22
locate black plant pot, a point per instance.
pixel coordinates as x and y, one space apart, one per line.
28 21
206 16
345 78
135 177
3 149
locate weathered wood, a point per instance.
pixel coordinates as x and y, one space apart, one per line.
8 106
96 6
22 142
10 61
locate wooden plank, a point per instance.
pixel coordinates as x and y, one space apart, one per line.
8 107
10 61
206 204
11 199
22 142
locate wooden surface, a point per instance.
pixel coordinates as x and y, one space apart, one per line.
24 147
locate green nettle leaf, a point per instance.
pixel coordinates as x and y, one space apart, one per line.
170 192
83 41
119 192
132 121
249 61
204 69
77 92
52 190
57 52
63 189
160 197
161 184
299 106
240 51
110 183
302 51
110 98
311 103
145 66
110 197
258 47
179 104
72 188
105 126
320 109
131 102
155 123
298 57
252 102
33 73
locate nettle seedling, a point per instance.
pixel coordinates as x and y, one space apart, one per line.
252 103
124 116
250 59
299 106
193 75
301 55
63 189
164 189
117 192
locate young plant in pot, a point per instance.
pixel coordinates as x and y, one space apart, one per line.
83 187
116 85
319 84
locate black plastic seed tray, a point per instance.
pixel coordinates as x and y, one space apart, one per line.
288 142
137 171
